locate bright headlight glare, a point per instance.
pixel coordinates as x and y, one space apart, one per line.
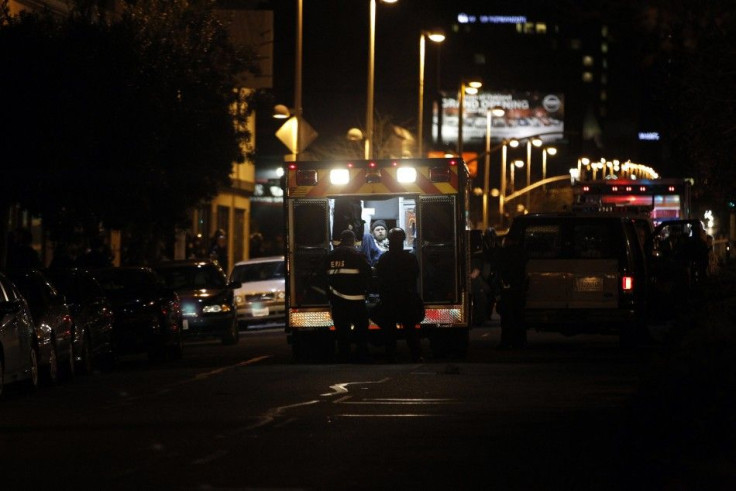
339 176
215 309
406 174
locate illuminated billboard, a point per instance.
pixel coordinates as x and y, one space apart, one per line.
526 114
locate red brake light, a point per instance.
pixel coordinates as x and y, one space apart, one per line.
627 283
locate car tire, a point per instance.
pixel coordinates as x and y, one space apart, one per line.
70 367
33 381
2 376
51 372
177 350
85 356
232 335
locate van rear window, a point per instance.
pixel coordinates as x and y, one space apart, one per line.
593 240
543 241
571 240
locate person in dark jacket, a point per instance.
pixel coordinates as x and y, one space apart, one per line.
348 274
400 303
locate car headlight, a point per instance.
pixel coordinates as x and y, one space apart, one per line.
216 309
239 300
280 295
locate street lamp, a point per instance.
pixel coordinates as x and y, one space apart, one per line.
502 193
537 142
471 88
371 77
516 163
496 111
436 36
546 151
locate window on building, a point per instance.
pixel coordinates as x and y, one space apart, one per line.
587 77
587 60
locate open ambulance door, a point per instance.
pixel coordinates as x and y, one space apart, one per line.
439 258
308 243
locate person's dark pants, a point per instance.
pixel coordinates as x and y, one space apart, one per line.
346 313
391 315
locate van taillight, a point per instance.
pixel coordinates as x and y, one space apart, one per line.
627 283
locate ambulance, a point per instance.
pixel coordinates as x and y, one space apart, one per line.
427 197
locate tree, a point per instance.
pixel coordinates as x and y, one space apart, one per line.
125 123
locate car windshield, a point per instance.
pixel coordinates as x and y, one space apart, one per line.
245 273
192 277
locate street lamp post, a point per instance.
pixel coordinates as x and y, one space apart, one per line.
371 78
529 142
436 37
516 163
298 79
546 151
496 111
502 194
472 89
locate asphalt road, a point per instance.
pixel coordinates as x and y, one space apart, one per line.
248 417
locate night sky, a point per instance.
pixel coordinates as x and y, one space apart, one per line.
335 60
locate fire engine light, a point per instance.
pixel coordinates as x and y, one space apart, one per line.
439 174
671 189
306 177
406 175
627 283
642 189
339 177
586 188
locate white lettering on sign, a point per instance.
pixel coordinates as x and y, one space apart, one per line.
649 135
464 18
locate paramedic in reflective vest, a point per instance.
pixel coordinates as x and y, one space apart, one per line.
348 273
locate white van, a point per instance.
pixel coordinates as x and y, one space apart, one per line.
583 273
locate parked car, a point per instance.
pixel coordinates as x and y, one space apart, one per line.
584 273
18 341
207 300
92 315
147 315
52 320
260 294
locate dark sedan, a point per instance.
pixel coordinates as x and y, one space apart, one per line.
92 315
147 316
18 343
52 320
207 299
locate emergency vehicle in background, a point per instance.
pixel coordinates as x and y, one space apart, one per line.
657 199
427 197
